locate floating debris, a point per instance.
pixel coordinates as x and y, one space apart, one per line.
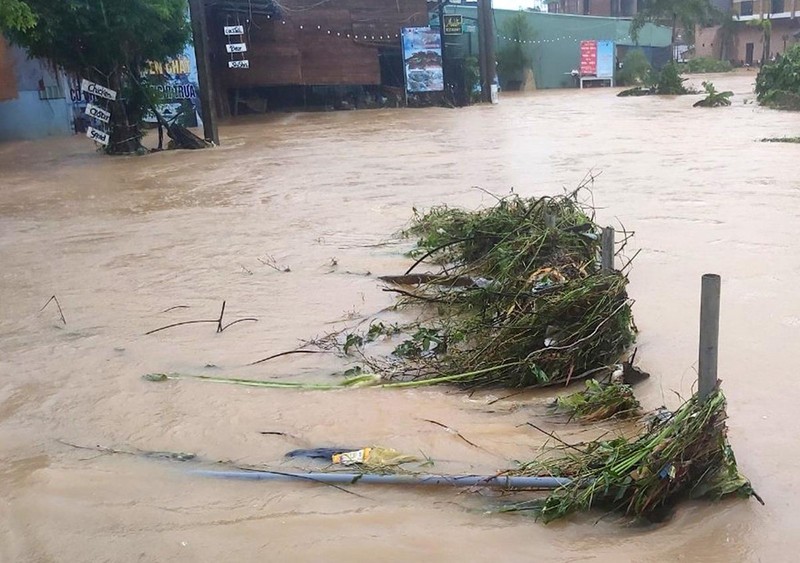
600 401
685 456
519 295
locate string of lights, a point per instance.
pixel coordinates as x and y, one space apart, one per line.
557 39
334 33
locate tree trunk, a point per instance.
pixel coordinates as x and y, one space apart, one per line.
125 136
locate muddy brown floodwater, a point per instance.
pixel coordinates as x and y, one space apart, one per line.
119 240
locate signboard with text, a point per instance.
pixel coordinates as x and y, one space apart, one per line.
597 59
453 25
422 59
588 65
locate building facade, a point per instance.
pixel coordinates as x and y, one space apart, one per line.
605 8
295 51
746 45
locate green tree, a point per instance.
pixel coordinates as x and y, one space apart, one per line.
684 14
516 55
105 41
16 15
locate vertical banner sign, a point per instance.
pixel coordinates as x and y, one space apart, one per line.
453 25
588 58
177 85
605 59
422 59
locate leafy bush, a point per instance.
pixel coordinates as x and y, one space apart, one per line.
702 65
713 98
778 83
670 82
635 69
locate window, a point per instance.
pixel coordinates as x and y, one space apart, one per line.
777 6
50 92
746 8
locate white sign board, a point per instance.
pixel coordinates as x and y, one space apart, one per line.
239 64
97 136
236 47
234 30
98 113
168 111
98 90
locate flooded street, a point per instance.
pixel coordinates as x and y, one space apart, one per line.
120 241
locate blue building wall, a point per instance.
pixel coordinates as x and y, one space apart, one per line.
28 116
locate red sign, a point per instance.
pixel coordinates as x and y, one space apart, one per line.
588 58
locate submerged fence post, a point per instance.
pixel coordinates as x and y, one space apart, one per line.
709 335
607 250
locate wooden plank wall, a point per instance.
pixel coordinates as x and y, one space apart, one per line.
283 54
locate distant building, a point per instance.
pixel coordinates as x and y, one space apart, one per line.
302 53
746 46
605 8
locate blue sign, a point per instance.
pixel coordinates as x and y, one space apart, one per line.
605 59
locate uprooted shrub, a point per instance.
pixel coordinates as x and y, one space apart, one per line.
517 298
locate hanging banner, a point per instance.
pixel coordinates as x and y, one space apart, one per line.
453 25
97 136
588 65
422 59
97 90
177 85
605 59
234 30
98 113
236 47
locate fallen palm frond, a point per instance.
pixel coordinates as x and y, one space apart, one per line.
520 299
600 401
684 455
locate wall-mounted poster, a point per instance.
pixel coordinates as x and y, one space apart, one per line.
422 59
176 83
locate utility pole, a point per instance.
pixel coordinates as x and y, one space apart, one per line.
486 44
444 45
200 36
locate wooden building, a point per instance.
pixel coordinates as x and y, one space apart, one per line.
295 45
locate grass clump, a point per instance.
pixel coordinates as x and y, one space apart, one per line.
599 401
685 454
781 140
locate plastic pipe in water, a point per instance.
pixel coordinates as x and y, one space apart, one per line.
497 481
